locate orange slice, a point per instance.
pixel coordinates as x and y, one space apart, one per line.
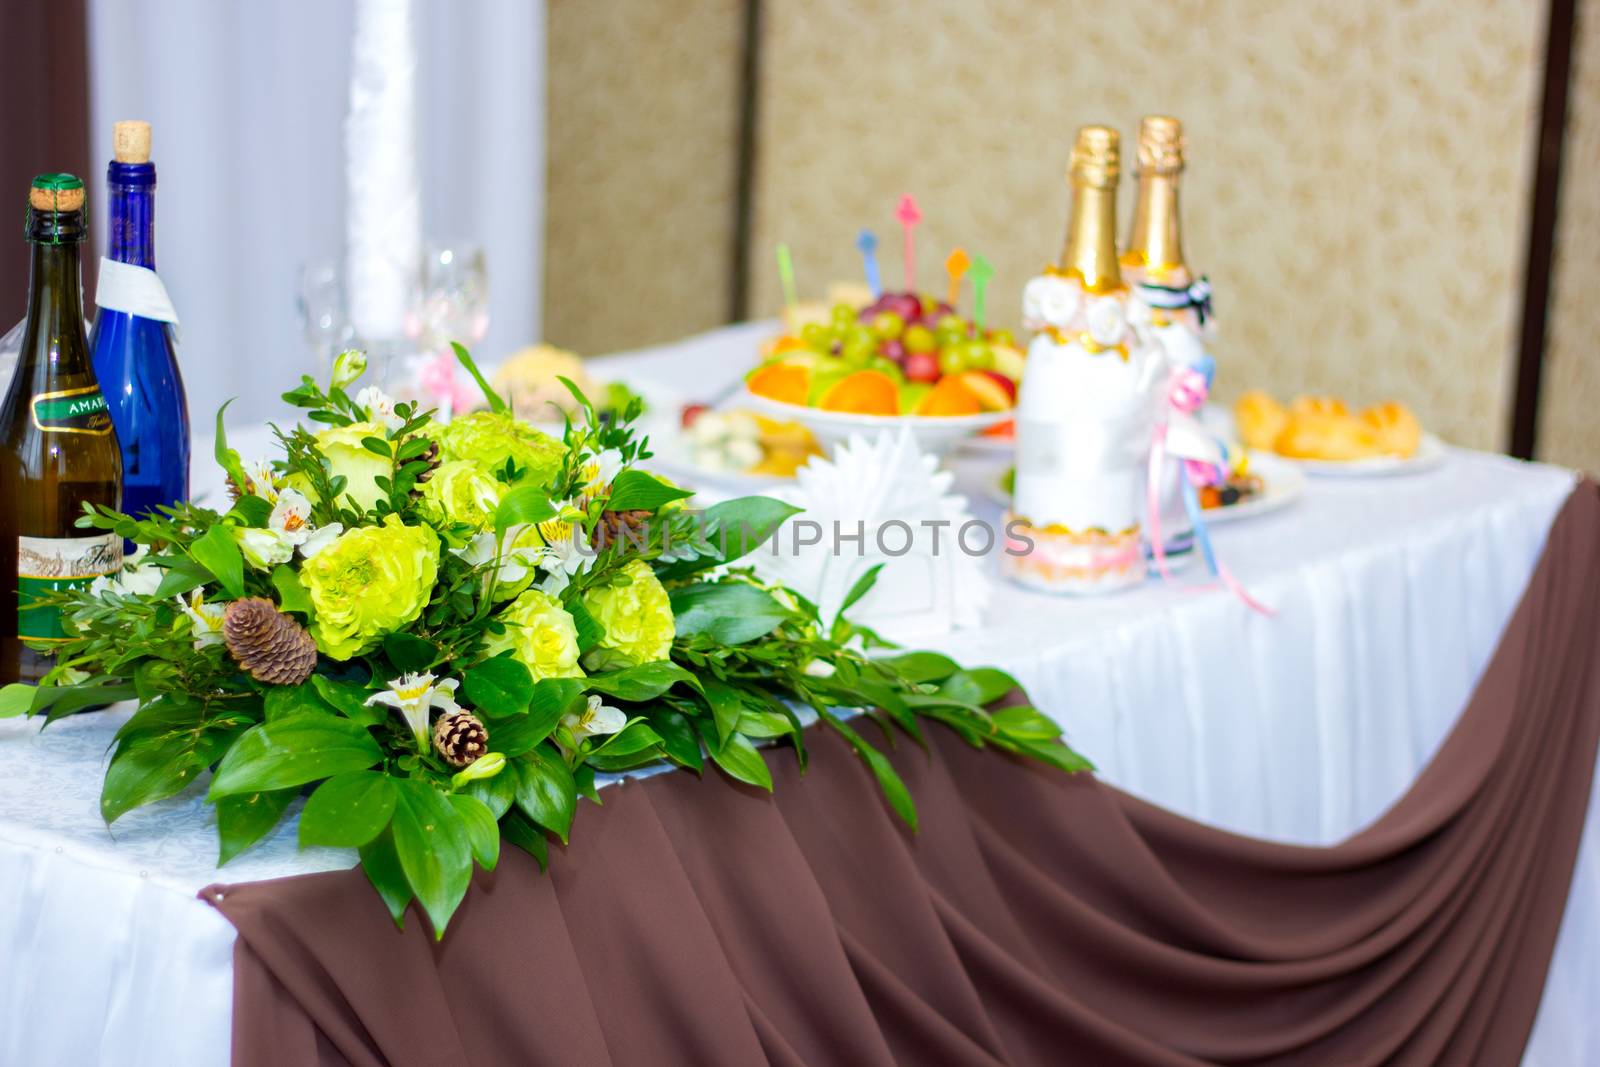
784 382
949 397
865 392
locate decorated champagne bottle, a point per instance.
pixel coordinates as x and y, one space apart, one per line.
58 451
132 339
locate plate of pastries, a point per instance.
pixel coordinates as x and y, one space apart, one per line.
1324 436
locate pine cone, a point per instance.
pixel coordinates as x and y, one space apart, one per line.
619 525
460 738
431 458
268 644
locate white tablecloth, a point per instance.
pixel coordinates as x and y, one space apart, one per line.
1390 596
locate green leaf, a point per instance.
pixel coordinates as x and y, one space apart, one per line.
499 686
894 790
497 793
226 457
244 819
635 737
292 595
962 688
729 613
348 810
145 770
410 653
583 774
740 526
433 850
522 832
496 404
282 701
69 699
678 738
218 552
1025 724
1055 754
381 863
726 705
861 588
182 576
740 759
349 699
644 682
763 724
546 792
634 490
523 505
17 698
921 667
589 629
992 683
251 510
293 751
483 836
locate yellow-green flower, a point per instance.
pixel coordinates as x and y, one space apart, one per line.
488 439
459 492
348 457
369 582
541 636
636 615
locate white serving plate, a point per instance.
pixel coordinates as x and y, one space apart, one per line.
934 434
1430 453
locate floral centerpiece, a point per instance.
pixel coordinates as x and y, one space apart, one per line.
440 632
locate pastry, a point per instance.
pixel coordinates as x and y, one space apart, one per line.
1260 419
1398 431
1327 436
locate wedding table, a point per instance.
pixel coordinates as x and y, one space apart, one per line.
1390 595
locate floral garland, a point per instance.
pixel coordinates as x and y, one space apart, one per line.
441 631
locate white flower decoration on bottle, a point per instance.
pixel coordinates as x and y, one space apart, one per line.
415 696
1107 320
596 718
1049 301
205 620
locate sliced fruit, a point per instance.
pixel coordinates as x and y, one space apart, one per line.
1003 430
828 373
949 397
987 389
787 383
787 343
911 395
1009 360
866 392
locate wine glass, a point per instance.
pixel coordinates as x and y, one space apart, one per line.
324 311
451 304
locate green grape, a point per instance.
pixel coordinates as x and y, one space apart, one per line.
887 366
976 355
1002 337
856 332
919 338
842 315
888 325
952 324
858 350
815 335
951 360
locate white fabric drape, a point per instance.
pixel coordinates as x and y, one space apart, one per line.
247 101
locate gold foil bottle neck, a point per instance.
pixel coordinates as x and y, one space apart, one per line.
1090 255
1154 251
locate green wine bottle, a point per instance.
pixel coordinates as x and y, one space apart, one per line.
57 448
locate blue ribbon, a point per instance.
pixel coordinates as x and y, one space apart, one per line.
867 242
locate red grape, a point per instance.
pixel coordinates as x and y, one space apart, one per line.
921 367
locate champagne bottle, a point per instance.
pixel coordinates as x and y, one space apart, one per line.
58 451
1154 252
1090 255
133 350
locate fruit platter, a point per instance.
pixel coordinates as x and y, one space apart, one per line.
902 360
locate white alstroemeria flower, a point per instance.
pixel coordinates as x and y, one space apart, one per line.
262 482
380 407
263 549
291 517
415 696
599 471
135 577
1107 320
320 538
596 718
564 555
1049 300
205 620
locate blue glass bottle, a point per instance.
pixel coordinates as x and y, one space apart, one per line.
134 358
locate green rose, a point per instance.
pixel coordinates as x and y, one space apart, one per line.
637 617
369 582
347 456
459 492
541 636
487 440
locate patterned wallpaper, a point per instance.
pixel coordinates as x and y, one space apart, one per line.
1569 418
642 113
1356 191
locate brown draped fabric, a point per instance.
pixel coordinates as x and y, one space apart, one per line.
44 127
1036 919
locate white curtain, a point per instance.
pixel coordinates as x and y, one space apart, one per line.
247 102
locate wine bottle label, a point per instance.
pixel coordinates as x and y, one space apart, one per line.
47 565
72 411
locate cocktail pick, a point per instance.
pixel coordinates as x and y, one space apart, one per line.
955 266
909 215
786 276
867 242
981 273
